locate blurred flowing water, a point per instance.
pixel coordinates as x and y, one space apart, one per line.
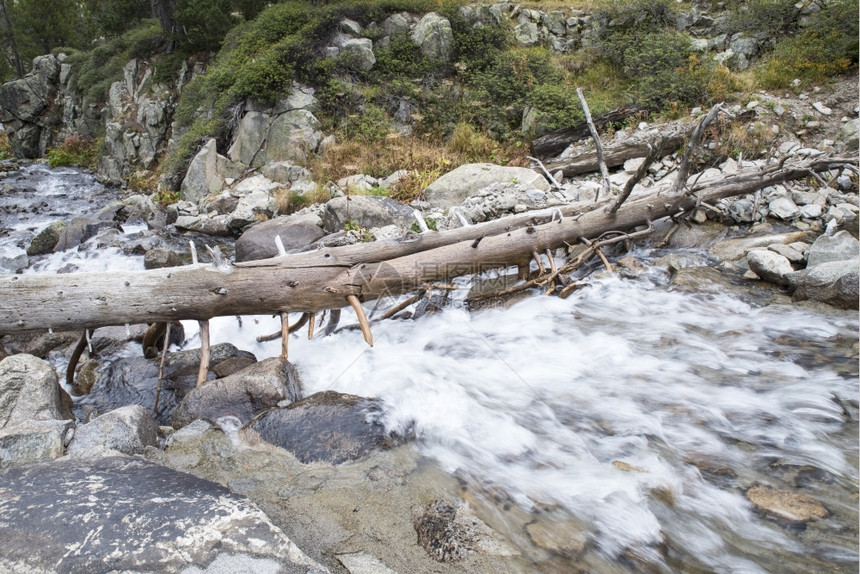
635 411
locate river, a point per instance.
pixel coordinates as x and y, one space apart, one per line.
635 409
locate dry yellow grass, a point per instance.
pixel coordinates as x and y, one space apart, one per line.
424 157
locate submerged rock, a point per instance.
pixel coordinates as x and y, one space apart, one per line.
328 427
123 514
451 533
786 504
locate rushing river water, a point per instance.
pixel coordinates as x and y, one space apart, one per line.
636 411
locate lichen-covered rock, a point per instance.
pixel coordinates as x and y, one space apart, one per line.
29 390
124 514
366 211
33 441
128 430
46 240
458 184
434 37
159 258
243 395
451 533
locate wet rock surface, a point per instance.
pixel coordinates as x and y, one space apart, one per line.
327 427
125 514
133 381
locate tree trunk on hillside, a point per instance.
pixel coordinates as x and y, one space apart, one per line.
325 278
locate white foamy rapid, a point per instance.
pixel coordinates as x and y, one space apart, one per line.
541 398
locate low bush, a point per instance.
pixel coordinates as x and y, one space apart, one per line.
74 151
826 47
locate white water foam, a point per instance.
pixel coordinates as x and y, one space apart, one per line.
541 398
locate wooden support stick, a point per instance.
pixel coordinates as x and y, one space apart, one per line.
203 373
285 335
598 147
653 152
599 254
73 360
684 169
536 257
161 368
362 318
312 320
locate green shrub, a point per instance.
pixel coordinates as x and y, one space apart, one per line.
771 17
74 151
827 47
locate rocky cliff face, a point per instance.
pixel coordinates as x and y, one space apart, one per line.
42 109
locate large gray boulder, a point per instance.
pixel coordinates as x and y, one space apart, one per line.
123 514
456 185
33 441
297 232
770 266
242 395
849 136
840 246
28 391
434 37
329 427
128 430
46 240
360 51
250 136
202 177
291 137
833 282
366 211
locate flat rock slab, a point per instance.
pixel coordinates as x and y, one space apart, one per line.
327 427
126 514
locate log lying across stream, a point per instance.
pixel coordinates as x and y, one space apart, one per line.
323 279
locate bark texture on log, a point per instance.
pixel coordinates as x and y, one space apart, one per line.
616 155
323 279
555 142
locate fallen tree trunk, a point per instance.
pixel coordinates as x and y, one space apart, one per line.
324 279
556 141
616 155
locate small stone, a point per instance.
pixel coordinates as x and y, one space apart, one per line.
752 105
810 211
564 538
520 208
786 504
821 108
788 252
778 110
783 208
627 467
